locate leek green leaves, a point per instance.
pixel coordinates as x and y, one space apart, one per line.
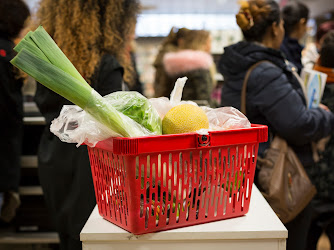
41 58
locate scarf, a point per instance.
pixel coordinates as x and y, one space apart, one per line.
328 71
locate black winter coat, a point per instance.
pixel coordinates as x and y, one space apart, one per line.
323 172
11 119
292 51
64 169
274 97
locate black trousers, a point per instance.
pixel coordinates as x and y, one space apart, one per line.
69 243
298 229
322 221
66 179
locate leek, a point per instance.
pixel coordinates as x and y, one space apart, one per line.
42 45
53 78
43 40
31 47
42 59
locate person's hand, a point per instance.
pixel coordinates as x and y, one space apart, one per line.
324 107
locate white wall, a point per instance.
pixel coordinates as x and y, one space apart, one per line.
319 7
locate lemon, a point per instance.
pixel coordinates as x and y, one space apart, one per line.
184 118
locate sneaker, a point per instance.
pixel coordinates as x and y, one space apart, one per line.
11 201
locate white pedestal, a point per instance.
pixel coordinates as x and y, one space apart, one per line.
259 229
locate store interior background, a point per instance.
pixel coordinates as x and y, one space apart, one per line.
154 23
218 16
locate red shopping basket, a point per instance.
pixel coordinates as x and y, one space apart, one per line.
154 183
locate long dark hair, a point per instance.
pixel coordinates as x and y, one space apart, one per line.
13 14
292 13
327 50
255 16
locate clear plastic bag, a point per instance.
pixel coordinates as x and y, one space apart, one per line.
219 118
163 104
138 108
75 125
144 116
226 118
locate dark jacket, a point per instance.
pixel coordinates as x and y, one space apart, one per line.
64 169
195 65
138 86
292 51
274 97
11 119
323 171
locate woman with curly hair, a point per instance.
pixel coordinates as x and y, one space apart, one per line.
94 35
274 96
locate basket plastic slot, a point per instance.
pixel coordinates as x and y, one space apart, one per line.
153 191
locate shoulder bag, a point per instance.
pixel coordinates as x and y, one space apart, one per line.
281 177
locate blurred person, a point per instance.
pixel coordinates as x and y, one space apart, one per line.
310 54
137 84
193 60
162 85
13 14
274 95
323 171
295 16
131 52
94 35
